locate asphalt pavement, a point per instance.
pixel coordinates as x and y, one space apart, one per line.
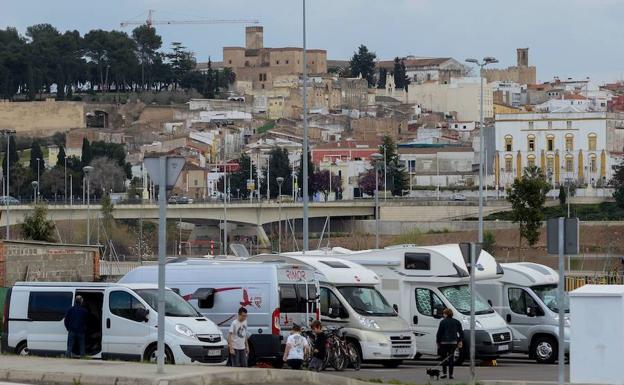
511 369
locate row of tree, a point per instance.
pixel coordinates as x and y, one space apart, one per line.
46 60
363 63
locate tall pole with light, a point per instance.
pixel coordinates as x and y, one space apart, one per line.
376 157
385 174
7 134
481 64
87 170
305 136
280 180
38 174
35 187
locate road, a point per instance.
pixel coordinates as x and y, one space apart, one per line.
512 368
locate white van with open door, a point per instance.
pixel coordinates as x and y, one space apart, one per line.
121 323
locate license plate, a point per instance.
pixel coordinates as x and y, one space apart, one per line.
401 351
214 352
502 348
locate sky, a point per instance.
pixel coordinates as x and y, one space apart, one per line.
566 38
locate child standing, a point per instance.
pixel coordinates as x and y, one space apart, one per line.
296 347
237 340
319 349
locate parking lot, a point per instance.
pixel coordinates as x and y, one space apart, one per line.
512 368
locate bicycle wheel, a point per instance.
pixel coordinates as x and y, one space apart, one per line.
354 356
338 359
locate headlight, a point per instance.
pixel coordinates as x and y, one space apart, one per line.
466 323
368 323
566 321
184 330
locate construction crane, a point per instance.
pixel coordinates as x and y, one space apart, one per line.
151 22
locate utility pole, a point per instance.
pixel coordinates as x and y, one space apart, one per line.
305 136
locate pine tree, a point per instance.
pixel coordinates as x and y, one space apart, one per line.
37 163
401 80
60 158
87 154
397 176
381 82
363 63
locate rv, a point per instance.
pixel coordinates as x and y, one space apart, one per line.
526 296
122 323
349 299
421 281
275 295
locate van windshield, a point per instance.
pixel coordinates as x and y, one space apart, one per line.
175 306
459 297
367 301
548 294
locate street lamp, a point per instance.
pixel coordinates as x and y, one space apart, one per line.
280 180
7 134
376 157
38 163
87 170
35 186
486 60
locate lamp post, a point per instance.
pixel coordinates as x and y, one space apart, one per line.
376 157
65 178
38 174
87 170
7 134
280 180
486 60
35 186
385 174
305 136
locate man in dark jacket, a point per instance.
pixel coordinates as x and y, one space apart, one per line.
450 337
75 323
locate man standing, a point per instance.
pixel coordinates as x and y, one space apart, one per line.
75 323
237 340
450 337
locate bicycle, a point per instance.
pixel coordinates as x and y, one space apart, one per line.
341 353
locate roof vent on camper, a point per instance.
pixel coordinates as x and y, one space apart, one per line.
239 250
335 264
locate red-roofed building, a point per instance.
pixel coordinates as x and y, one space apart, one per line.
616 104
343 151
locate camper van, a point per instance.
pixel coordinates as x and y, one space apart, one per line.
122 323
526 296
275 295
420 281
349 299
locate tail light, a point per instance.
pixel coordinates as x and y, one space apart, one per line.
318 313
275 322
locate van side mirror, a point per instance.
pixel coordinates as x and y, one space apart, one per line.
333 312
531 311
437 313
396 308
140 315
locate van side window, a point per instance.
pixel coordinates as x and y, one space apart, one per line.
519 300
427 301
417 261
124 304
49 305
329 300
288 299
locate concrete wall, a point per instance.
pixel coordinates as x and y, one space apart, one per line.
42 118
367 226
39 261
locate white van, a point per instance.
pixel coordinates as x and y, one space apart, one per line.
349 299
420 281
273 294
122 323
526 296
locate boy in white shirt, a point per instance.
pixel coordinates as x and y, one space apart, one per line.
296 348
237 340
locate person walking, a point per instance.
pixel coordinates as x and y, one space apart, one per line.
76 325
237 340
449 338
319 348
296 348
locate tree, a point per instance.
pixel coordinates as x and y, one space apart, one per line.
279 166
381 81
321 182
106 176
87 155
238 180
107 212
363 63
527 196
562 196
489 241
397 177
37 163
53 183
13 161
401 80
60 158
113 151
148 43
181 61
37 227
366 182
617 181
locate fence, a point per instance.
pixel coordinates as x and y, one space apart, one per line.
576 281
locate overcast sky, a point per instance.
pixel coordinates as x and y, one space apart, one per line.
567 38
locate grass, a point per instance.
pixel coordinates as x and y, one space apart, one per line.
266 127
415 237
605 211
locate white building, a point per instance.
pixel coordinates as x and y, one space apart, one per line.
438 166
461 96
568 146
349 172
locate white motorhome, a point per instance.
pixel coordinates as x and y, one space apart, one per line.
275 295
420 281
526 296
349 299
121 324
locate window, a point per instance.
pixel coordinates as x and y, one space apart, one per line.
287 61
459 297
175 305
330 301
531 125
229 62
550 143
591 139
520 300
531 161
531 142
569 142
49 305
418 261
550 164
508 164
550 125
277 62
427 301
569 164
592 164
367 301
508 143
293 297
124 305
195 182
569 124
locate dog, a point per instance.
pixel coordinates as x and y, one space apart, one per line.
433 373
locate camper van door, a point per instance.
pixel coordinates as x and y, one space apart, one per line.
427 309
126 324
46 312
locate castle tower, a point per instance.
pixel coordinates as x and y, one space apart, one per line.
523 57
254 37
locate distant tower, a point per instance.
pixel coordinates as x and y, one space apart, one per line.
254 37
390 86
523 57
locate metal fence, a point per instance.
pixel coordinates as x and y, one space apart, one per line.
576 281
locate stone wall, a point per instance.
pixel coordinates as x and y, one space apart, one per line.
39 261
42 118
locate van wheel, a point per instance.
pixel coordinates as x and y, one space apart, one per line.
545 350
150 355
355 354
22 349
392 363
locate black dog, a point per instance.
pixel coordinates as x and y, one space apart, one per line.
433 373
